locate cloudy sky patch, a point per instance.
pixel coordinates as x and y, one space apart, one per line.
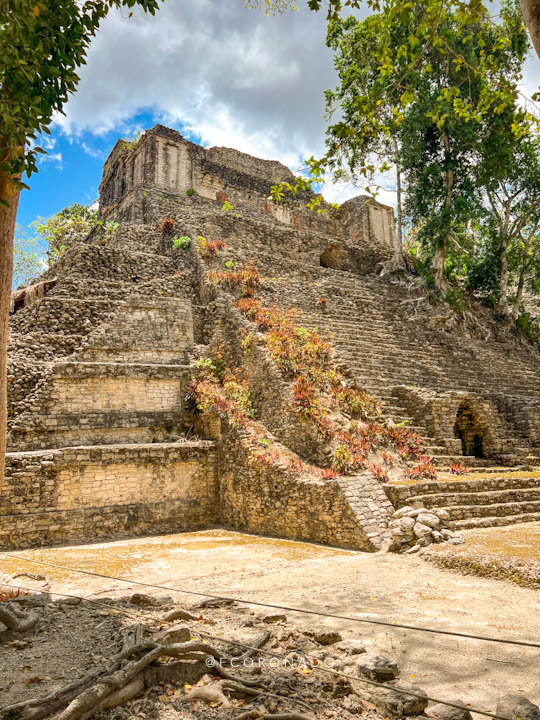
219 73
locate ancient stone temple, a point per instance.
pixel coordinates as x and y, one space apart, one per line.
103 439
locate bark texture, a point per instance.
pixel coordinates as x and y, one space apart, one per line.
7 228
531 15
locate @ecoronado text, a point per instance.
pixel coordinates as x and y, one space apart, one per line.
299 663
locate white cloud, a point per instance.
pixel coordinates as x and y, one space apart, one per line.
230 75
54 158
93 152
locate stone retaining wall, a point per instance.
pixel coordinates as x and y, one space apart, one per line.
87 493
269 500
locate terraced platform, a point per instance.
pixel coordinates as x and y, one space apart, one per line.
99 367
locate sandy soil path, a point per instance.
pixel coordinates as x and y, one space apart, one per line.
396 588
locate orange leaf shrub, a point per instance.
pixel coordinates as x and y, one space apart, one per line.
167 226
245 280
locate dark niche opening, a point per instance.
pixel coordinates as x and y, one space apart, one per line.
335 257
471 433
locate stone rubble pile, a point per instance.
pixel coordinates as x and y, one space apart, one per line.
415 526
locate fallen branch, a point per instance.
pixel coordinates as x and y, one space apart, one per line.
239 659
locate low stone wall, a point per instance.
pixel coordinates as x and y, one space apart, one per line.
82 494
143 330
79 398
111 428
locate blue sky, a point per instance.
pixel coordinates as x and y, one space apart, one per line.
219 73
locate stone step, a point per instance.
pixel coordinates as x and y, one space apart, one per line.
494 521
482 498
405 494
467 460
434 450
105 428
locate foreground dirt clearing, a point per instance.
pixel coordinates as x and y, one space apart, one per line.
395 588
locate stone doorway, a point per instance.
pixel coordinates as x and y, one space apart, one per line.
471 431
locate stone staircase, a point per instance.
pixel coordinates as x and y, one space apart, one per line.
364 317
375 339
476 503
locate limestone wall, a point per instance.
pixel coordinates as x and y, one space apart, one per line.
269 500
142 330
80 400
105 492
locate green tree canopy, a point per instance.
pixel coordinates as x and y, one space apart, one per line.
42 43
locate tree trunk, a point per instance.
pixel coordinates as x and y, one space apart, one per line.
531 15
503 283
521 284
7 229
397 262
437 264
398 248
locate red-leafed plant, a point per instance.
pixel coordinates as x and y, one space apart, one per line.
379 472
458 469
329 474
167 226
209 248
321 395
245 280
423 470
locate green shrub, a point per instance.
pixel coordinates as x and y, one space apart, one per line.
191 191
456 298
529 326
181 243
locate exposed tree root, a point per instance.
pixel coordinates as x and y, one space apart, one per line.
88 695
134 669
257 715
239 659
179 615
16 620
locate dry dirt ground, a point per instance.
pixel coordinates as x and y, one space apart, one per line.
398 589
509 553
